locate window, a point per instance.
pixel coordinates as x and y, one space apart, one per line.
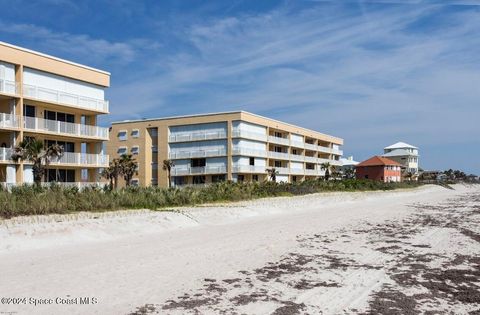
135 133
122 150
61 175
198 162
366 176
240 178
252 161
255 177
29 111
67 146
278 164
199 179
294 151
122 135
218 178
294 179
278 149
278 134
135 150
135 182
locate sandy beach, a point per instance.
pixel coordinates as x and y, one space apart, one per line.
396 252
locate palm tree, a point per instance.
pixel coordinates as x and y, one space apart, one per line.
34 151
128 168
167 166
112 172
326 166
272 173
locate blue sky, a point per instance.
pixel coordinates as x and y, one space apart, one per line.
371 72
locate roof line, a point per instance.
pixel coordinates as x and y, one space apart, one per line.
219 113
54 58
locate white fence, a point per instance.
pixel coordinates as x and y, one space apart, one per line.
61 127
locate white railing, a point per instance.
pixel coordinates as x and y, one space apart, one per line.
9 121
311 172
236 168
197 136
282 170
61 127
278 155
297 171
5 154
335 162
60 97
196 154
238 133
324 149
9 87
248 152
311 159
198 170
312 147
295 157
297 144
84 159
337 151
80 185
321 160
278 140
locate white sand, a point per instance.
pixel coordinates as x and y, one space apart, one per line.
130 258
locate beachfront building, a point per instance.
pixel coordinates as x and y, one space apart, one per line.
380 169
347 165
237 146
406 155
55 101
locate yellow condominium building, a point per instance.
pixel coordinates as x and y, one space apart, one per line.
237 146
55 101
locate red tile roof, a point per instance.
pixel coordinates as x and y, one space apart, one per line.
378 161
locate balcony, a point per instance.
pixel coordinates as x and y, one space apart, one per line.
312 147
248 152
5 154
238 133
297 144
297 171
65 128
311 172
282 170
9 87
278 155
278 140
64 98
82 159
9 121
248 169
197 154
311 159
324 149
295 157
337 152
197 136
198 170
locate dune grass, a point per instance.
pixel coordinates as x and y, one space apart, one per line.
31 200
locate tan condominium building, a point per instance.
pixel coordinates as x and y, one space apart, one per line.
55 101
237 146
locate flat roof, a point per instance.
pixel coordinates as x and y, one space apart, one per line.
53 58
214 114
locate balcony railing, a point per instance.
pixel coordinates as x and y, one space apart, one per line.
197 154
60 97
297 171
82 159
5 154
282 170
311 172
197 136
324 149
238 133
9 87
66 128
311 159
295 157
297 144
248 152
248 169
9 121
176 171
278 155
312 147
278 140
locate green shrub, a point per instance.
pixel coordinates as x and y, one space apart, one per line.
28 200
